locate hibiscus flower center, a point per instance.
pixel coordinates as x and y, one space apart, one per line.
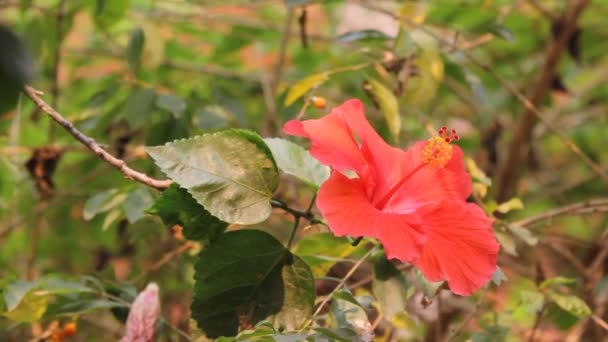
437 152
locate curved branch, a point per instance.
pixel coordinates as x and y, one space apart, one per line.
90 143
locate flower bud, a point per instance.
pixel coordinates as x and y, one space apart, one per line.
145 310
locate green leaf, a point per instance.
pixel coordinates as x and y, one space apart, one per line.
346 296
571 304
109 12
135 48
172 103
139 106
556 281
390 288
16 68
363 35
98 204
28 301
136 203
231 173
388 104
303 86
246 276
531 301
523 233
176 206
563 319
321 250
82 306
296 161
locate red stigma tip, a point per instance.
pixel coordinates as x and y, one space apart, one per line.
443 128
453 131
455 137
447 139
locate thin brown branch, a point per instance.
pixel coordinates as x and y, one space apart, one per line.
277 76
119 164
508 173
59 19
454 333
590 206
339 286
165 259
528 104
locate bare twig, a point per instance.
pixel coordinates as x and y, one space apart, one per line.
119 164
166 258
277 76
339 286
528 104
60 17
590 206
527 120
457 330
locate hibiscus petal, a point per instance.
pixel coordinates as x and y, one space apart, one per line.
428 184
460 247
348 211
332 141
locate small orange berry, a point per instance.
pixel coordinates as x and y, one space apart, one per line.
57 336
69 330
318 102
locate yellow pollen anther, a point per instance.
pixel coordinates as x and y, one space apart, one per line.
437 152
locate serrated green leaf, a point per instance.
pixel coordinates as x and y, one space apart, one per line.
571 304
388 105
176 206
135 48
363 35
246 276
296 161
231 173
303 86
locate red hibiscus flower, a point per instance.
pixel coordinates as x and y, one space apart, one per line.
413 201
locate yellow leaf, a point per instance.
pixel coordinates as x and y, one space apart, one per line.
30 308
153 53
480 190
416 12
422 87
388 104
303 86
476 172
512 204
